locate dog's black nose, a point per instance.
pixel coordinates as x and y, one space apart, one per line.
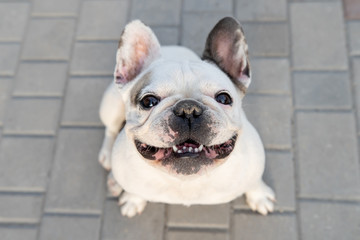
188 109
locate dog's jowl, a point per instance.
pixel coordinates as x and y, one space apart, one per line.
175 128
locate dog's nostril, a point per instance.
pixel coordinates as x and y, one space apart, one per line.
188 109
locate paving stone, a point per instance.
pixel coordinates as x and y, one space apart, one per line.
82 101
279 175
5 87
70 227
356 76
8 58
18 232
199 215
267 39
208 5
196 235
327 159
77 179
256 227
167 35
354 40
32 116
55 8
322 220
13 18
322 90
352 9
261 10
49 39
270 76
149 225
318 38
102 19
90 58
20 207
196 27
25 162
40 79
157 12
271 116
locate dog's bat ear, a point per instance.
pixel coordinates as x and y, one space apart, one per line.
226 47
138 47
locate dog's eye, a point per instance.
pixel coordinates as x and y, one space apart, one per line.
149 101
223 98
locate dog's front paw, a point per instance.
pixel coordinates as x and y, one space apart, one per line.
113 187
104 159
132 204
261 199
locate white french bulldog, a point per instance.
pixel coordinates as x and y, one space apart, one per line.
181 134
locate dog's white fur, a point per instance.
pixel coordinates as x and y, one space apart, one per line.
177 73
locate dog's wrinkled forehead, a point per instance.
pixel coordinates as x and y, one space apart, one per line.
186 78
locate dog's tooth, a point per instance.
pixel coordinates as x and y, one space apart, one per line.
175 148
201 148
190 149
184 148
179 151
196 150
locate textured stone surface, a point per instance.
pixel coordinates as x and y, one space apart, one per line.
40 79
322 90
9 232
90 58
149 225
270 75
271 116
77 179
13 18
70 227
269 40
327 155
102 19
352 9
167 35
325 220
199 215
8 58
313 20
157 12
262 10
279 175
354 40
25 162
32 115
49 39
208 5
196 235
257 227
5 86
56 8
83 99
356 76
20 207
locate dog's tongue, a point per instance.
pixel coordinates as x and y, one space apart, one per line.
162 153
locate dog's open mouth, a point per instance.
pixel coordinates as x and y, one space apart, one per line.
188 157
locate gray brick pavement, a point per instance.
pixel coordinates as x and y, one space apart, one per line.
327 155
8 58
49 39
40 79
324 46
25 162
261 10
57 57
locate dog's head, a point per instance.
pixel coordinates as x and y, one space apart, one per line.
183 116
